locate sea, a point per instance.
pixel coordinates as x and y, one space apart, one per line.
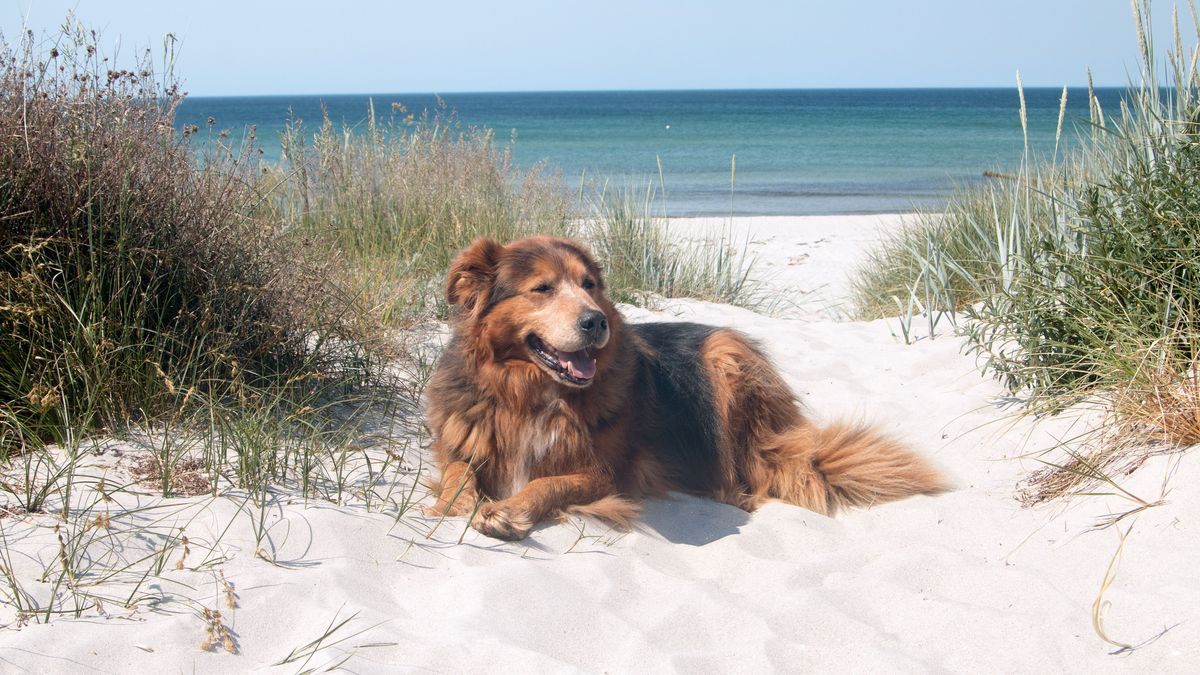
723 152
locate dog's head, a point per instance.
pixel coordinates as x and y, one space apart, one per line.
538 300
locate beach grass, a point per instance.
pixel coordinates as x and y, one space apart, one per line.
398 200
645 259
133 274
1075 279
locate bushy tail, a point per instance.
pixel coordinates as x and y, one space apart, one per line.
613 510
832 468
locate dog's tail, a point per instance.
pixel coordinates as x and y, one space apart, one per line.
614 510
829 469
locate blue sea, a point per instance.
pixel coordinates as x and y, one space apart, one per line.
796 151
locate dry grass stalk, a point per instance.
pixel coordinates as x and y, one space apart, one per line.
182 562
1164 406
228 591
217 633
1100 605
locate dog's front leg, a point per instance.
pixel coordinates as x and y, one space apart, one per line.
456 494
541 498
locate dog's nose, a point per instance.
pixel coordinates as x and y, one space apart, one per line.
593 323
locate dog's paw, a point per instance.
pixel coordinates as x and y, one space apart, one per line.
502 521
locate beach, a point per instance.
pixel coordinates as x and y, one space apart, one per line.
966 581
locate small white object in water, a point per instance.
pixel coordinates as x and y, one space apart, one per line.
668 126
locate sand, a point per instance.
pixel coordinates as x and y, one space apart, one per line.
968 581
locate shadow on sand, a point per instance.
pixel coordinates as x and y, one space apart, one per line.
684 519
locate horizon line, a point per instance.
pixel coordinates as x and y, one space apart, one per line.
1012 87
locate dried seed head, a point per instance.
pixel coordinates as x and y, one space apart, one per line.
230 594
183 559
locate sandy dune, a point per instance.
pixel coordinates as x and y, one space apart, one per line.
969 581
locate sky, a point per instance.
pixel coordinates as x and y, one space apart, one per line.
373 46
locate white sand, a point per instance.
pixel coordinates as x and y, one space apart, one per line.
969 581
808 260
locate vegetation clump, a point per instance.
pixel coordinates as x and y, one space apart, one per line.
1076 279
134 276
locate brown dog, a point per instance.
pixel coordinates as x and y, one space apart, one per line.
545 402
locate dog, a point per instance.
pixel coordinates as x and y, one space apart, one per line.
546 403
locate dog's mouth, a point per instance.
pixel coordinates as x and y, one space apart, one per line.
574 368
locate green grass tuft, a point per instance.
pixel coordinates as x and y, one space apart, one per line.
644 258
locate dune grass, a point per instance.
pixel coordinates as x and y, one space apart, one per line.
645 259
132 275
943 262
1076 279
398 199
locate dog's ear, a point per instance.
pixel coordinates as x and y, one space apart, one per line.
472 273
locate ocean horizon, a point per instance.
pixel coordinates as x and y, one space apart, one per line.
742 152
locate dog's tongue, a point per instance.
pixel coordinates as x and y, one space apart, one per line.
578 364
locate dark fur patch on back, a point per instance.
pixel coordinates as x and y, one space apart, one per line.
685 433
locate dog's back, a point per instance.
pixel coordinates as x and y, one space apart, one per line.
679 425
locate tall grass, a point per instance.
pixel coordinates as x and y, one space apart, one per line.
401 197
945 261
1077 276
645 259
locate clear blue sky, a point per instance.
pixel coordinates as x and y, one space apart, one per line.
331 46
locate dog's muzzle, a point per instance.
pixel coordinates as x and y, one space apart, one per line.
594 326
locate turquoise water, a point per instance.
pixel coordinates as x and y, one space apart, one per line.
797 151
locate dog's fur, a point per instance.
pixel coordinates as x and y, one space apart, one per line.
522 437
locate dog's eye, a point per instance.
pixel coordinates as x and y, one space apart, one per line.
589 284
543 288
